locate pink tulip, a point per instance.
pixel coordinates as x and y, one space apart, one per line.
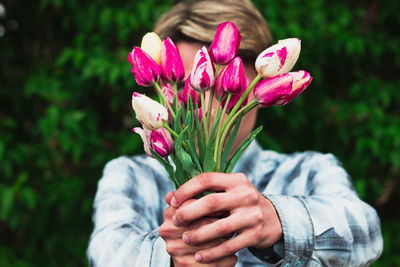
202 75
279 58
171 62
235 97
274 91
225 44
149 112
195 95
159 140
168 90
219 93
162 142
145 69
233 76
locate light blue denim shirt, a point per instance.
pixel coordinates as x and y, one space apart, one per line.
323 220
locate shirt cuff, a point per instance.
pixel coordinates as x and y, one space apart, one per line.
297 228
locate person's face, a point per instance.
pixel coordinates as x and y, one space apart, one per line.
188 52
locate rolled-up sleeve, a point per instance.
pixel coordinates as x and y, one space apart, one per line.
326 224
127 217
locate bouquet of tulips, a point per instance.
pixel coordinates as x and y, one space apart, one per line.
179 130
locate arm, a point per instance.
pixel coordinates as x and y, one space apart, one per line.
328 224
127 210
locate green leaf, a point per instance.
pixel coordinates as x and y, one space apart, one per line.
235 157
209 161
228 146
177 122
185 159
200 138
165 164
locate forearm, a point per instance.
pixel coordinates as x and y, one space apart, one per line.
328 229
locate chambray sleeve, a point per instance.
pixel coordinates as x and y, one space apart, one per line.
323 220
127 216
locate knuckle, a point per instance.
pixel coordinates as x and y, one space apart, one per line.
213 202
242 178
258 216
182 262
229 248
171 248
164 231
182 215
223 228
204 179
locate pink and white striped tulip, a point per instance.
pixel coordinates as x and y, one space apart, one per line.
202 75
149 112
171 63
195 95
168 91
162 142
159 140
225 44
274 91
301 80
279 58
145 69
232 80
151 44
145 135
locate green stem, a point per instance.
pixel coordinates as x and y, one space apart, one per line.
240 101
176 96
204 118
229 126
221 119
210 100
165 100
166 126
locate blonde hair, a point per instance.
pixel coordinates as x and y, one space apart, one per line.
197 21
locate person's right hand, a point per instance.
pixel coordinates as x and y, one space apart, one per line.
181 253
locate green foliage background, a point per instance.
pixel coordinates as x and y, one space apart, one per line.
65 90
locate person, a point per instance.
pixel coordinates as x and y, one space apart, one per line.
289 210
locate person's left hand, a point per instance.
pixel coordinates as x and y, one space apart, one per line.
251 216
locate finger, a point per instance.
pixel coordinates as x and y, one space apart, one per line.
169 196
220 228
227 248
205 206
178 248
207 181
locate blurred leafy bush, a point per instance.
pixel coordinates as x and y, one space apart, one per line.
65 89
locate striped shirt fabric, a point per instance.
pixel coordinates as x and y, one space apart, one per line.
323 220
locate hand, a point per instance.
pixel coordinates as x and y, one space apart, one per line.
251 215
183 254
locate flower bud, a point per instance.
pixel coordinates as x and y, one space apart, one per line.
149 112
279 58
195 95
159 140
233 76
273 91
171 63
151 44
162 142
202 75
145 69
225 44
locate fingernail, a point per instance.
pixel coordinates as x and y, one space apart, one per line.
185 239
198 257
174 203
175 221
